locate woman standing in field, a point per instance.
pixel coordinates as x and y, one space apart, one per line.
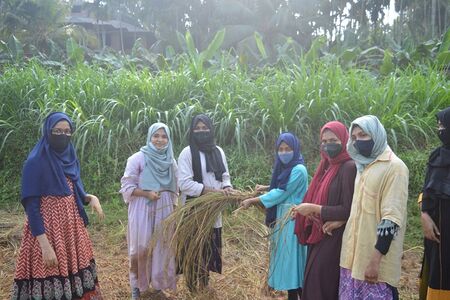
202 169
55 258
372 243
149 187
324 211
435 216
287 188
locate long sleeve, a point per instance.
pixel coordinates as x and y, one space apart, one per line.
130 178
186 181
395 196
32 207
386 232
346 180
226 179
298 180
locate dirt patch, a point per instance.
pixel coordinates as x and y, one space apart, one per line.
245 263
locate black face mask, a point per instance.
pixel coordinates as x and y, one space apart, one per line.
444 136
364 147
59 143
202 137
332 149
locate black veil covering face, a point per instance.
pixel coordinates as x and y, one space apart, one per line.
435 275
437 179
204 141
444 134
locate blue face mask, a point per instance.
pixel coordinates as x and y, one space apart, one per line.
286 157
364 147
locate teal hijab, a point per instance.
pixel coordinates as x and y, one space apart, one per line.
372 126
158 174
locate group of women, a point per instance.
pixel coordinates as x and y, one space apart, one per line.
342 240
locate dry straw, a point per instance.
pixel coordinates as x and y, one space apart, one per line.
188 230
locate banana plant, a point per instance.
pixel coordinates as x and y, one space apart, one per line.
198 59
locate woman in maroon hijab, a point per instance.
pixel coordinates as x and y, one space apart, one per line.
324 211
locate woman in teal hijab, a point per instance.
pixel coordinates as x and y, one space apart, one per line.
149 187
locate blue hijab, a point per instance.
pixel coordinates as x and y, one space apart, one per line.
45 170
158 174
281 172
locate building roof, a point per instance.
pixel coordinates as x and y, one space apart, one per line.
78 19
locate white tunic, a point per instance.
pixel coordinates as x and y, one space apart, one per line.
193 188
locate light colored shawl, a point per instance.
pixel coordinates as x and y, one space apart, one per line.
158 174
372 126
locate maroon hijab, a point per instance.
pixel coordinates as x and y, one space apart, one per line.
309 230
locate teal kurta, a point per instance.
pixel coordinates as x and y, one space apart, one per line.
288 257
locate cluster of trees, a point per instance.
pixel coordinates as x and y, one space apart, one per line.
275 20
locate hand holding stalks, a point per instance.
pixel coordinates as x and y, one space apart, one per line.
248 202
306 209
261 188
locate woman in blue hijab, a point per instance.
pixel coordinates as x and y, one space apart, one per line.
286 190
56 256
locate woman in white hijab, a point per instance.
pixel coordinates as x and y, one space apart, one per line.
372 244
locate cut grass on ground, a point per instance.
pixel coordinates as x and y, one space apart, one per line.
245 257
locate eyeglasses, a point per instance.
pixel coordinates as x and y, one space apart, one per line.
59 131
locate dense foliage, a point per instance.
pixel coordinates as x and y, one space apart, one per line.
113 109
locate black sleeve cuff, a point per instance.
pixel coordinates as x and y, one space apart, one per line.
384 243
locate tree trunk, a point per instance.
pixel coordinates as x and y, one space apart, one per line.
433 18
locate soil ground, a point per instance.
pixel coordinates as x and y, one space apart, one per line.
244 263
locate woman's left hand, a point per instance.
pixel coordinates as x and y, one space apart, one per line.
329 226
372 269
229 191
95 205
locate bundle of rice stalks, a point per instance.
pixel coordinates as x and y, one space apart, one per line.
188 231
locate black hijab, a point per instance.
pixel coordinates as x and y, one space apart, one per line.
213 156
437 179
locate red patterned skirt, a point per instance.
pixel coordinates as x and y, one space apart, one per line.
75 277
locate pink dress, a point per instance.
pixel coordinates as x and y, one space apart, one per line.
144 218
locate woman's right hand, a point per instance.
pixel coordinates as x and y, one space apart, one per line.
429 228
153 195
48 254
49 257
261 188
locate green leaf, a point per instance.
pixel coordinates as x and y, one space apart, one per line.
445 46
236 33
387 66
181 40
74 52
260 45
213 46
192 50
316 45
443 58
349 55
15 49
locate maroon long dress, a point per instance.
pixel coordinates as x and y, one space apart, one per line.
322 264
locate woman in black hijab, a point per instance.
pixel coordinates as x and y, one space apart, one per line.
435 216
202 168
